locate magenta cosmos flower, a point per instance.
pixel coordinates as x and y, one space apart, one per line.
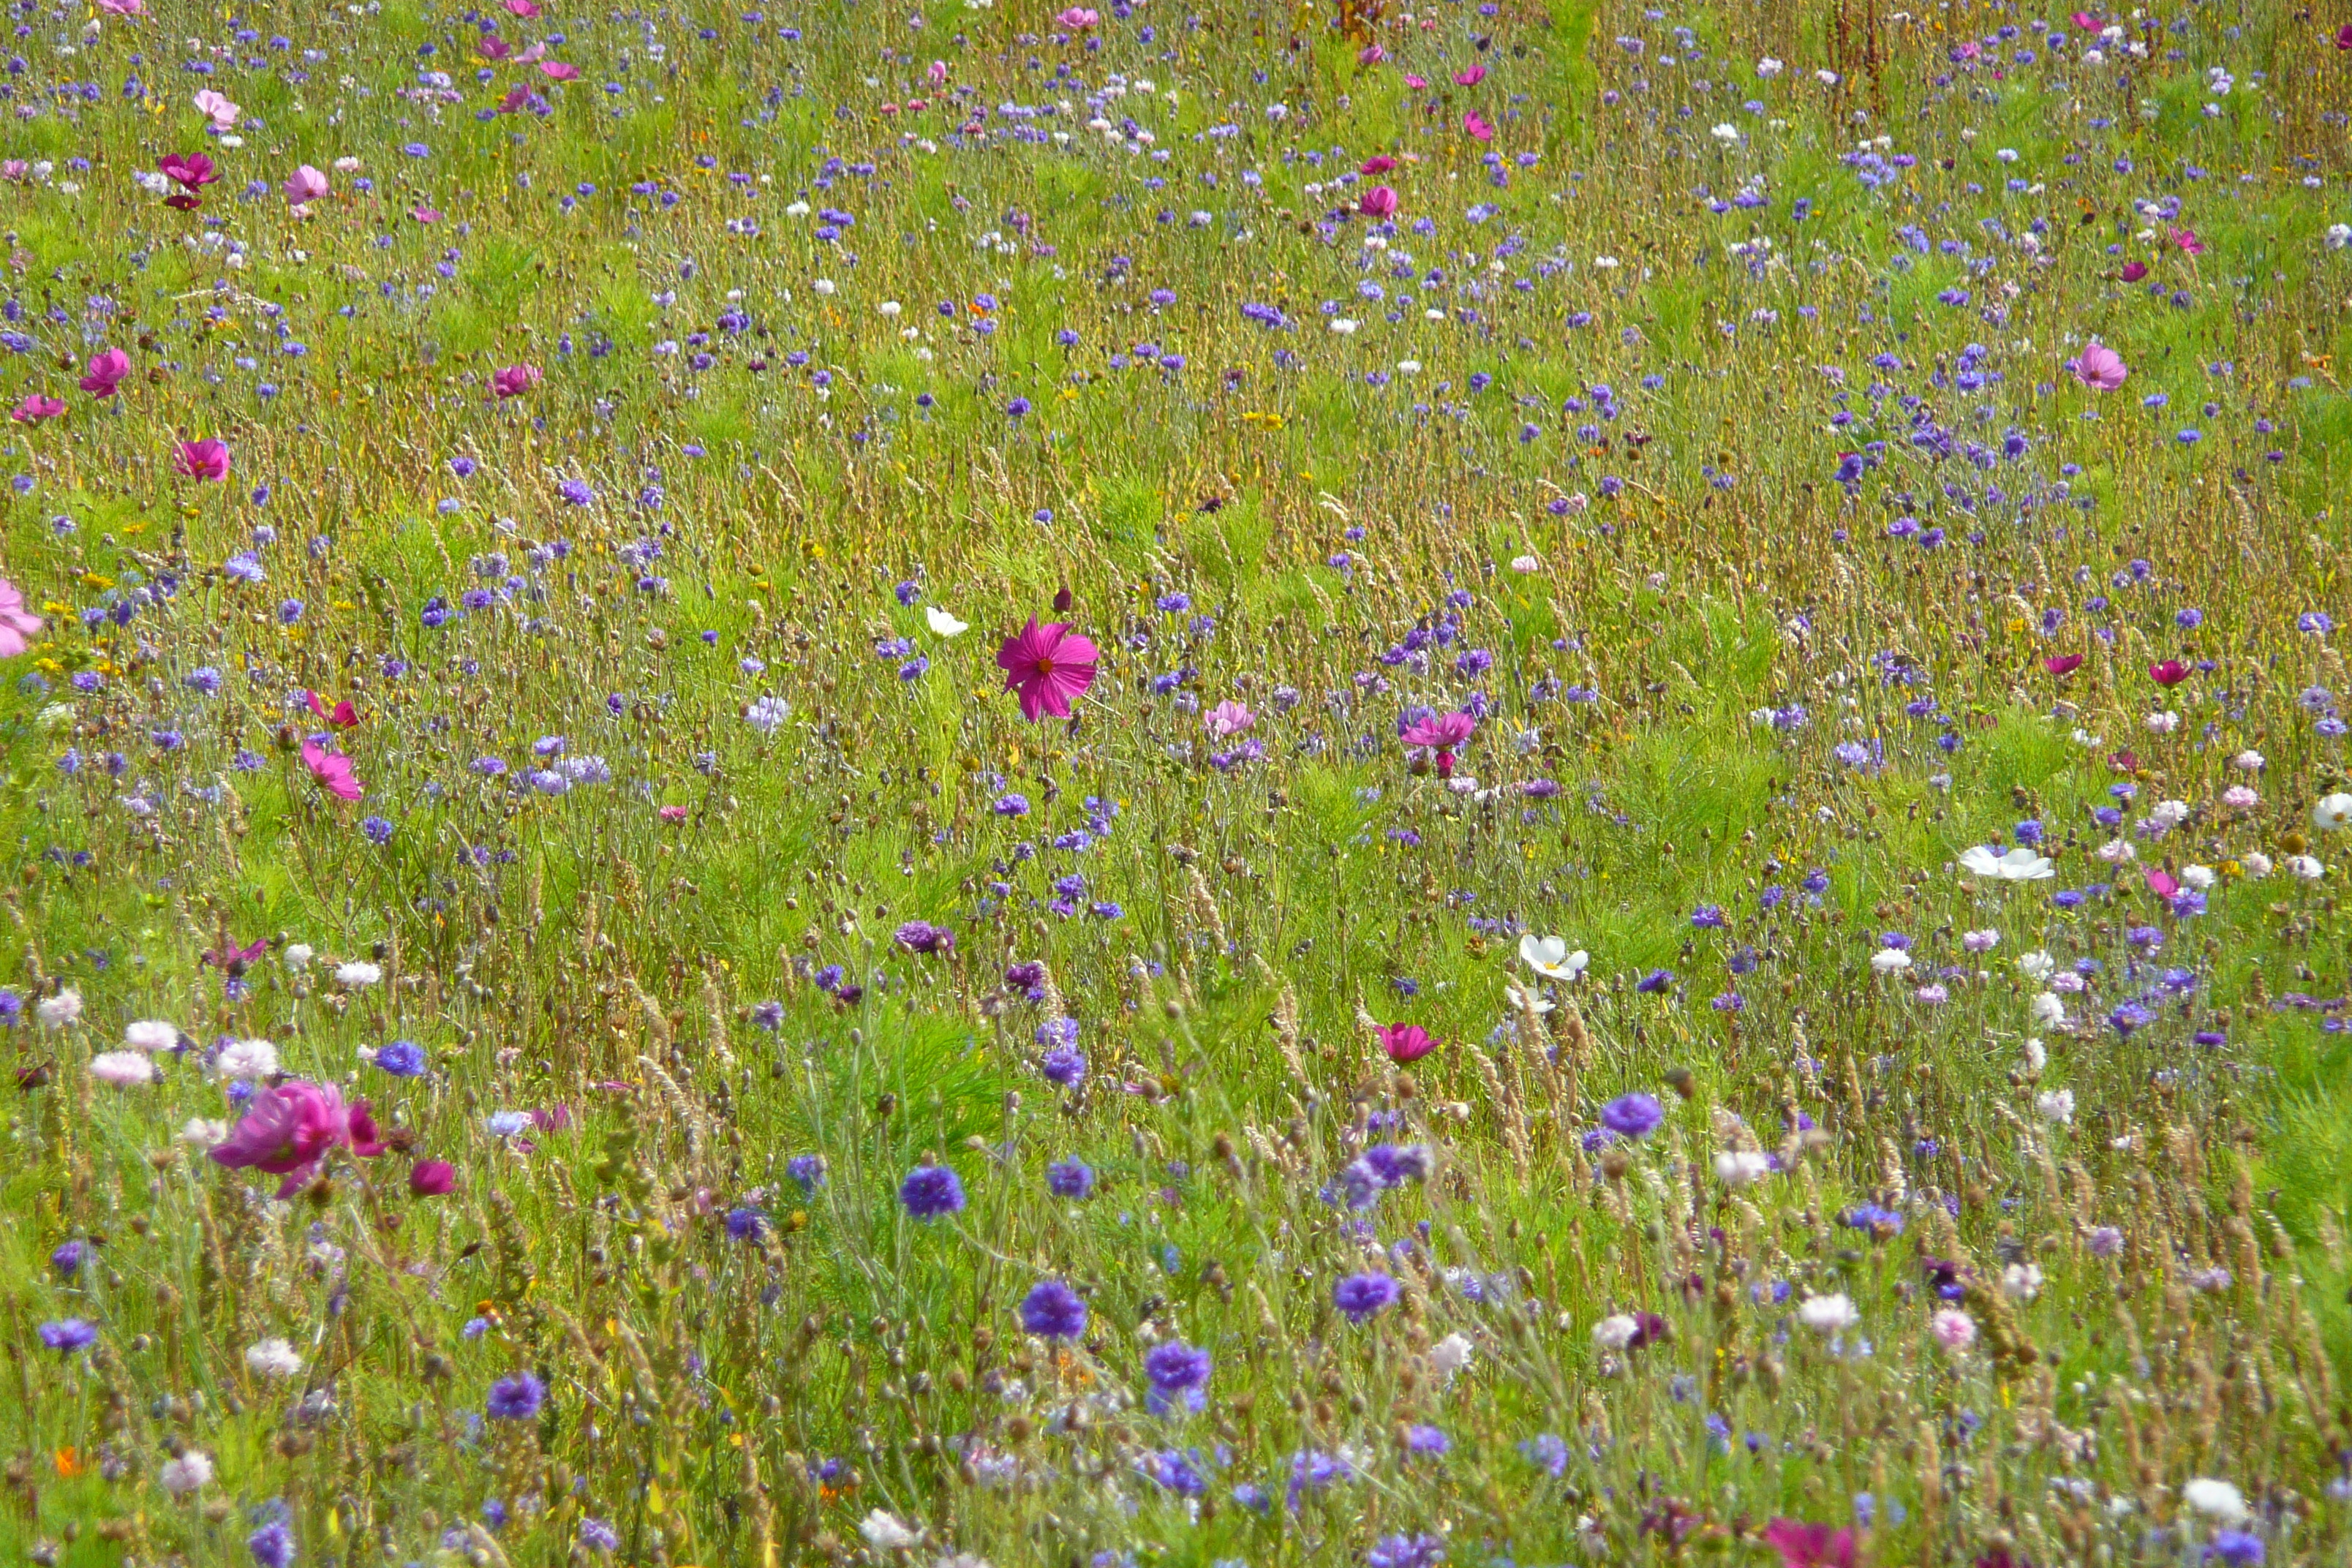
514 380
107 370
204 459
1048 665
2100 368
287 1130
306 185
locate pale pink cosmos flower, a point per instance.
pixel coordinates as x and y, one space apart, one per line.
306 185
2100 368
218 108
1477 125
1077 19
1228 719
17 628
123 7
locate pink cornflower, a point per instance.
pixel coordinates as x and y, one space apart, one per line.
1047 665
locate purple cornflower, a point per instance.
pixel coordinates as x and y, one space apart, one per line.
1632 1115
517 1398
931 1191
1052 1310
1361 1296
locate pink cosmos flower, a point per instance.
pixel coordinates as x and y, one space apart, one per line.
2085 21
2100 368
490 47
1228 719
218 108
1443 733
1404 1042
558 70
1077 19
2187 239
1415 82
1802 1545
935 73
431 1178
523 8
1378 164
514 380
287 1130
2168 672
107 370
1472 77
123 7
1370 54
2063 663
204 459
1379 202
2161 883
2344 36
193 170
343 716
306 184
2134 271
1048 665
333 770
17 627
36 409
1476 123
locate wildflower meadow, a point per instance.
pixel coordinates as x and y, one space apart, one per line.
927 784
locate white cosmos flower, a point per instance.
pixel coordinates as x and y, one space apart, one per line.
151 1035
943 624
1829 1314
2019 864
1522 1000
2332 812
1342 325
2217 1501
1726 133
1549 956
272 1358
1739 1167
